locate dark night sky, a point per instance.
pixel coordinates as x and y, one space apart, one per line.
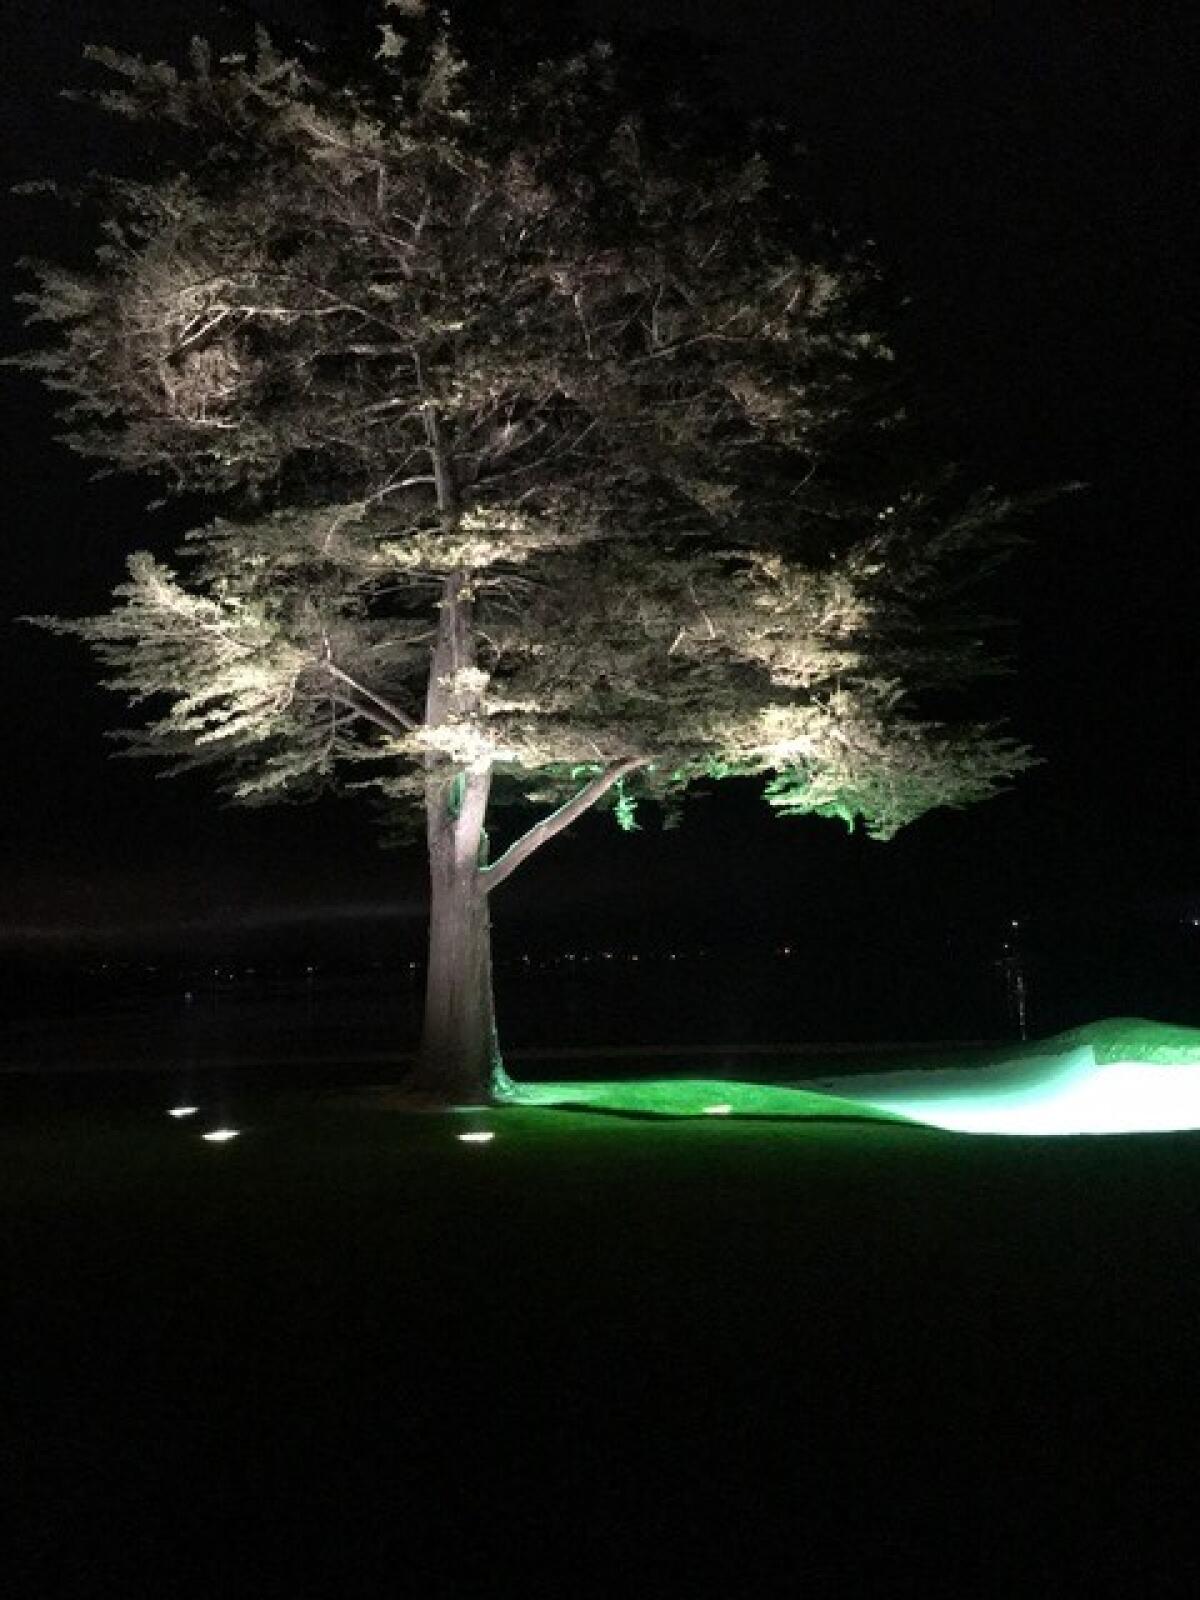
1028 169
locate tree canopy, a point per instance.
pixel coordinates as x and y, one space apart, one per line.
513 338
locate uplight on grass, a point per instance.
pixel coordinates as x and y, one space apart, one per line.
221 1135
481 1137
183 1111
1076 1097
1121 1075
1124 1075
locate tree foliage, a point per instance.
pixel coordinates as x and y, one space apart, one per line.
514 332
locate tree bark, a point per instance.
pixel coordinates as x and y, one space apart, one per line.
459 1059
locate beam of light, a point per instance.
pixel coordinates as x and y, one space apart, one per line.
1071 1095
183 1111
722 1110
221 1135
475 1138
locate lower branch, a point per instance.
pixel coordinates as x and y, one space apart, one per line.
545 830
401 719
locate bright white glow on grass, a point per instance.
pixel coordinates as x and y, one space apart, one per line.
1069 1094
183 1111
475 1138
717 1111
221 1135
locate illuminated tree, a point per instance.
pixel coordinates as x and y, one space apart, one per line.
550 464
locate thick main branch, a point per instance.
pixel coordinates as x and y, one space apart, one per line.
542 832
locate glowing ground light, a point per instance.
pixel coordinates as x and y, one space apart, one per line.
475 1138
221 1135
183 1111
717 1111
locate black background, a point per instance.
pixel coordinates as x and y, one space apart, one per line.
1028 172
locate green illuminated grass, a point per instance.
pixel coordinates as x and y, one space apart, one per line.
1134 1039
695 1097
1124 1075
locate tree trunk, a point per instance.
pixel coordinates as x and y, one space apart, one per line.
459 1058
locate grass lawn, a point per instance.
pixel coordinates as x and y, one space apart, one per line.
347 1352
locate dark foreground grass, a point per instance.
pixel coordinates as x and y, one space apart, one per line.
347 1353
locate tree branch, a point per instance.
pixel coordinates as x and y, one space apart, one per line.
366 712
545 830
403 720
